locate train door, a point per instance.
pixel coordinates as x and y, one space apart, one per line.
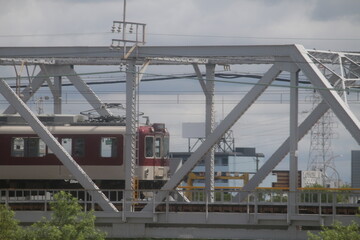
153 156
149 155
157 155
157 171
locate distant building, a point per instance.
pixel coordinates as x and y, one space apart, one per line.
310 178
244 160
230 163
282 179
355 169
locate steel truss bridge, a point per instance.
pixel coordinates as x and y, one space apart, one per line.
242 215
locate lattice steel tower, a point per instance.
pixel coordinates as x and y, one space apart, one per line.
321 156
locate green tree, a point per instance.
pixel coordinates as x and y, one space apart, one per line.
9 227
68 222
337 232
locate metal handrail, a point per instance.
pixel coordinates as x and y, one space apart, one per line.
256 199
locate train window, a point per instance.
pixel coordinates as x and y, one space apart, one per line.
109 147
49 151
28 147
149 147
157 147
17 147
67 144
35 147
166 147
79 147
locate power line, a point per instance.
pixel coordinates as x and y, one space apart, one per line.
194 77
186 35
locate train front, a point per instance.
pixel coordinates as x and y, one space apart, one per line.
153 156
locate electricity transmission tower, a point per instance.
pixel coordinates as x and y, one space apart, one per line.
321 156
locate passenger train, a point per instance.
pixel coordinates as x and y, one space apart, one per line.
98 147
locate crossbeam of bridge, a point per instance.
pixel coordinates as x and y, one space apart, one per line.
281 58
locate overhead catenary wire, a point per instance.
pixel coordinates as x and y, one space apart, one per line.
185 35
190 76
194 77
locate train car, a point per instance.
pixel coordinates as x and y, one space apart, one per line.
26 161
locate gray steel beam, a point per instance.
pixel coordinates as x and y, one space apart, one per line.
208 89
29 91
147 51
214 137
105 56
333 99
331 96
294 136
56 71
199 76
282 151
284 148
130 136
209 128
86 92
55 88
57 94
56 147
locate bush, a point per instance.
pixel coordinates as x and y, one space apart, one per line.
68 222
337 232
9 227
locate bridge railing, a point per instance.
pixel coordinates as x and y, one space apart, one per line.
312 201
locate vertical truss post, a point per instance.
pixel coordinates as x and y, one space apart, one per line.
57 95
294 136
209 127
130 135
56 147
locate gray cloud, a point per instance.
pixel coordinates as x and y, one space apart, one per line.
332 10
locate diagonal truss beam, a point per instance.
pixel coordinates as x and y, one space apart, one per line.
200 77
331 96
214 137
86 91
56 147
29 91
48 71
284 149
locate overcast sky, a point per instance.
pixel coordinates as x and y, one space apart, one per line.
323 24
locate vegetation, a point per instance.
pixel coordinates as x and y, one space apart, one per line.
68 222
317 193
337 232
9 227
